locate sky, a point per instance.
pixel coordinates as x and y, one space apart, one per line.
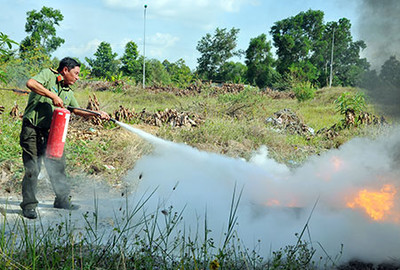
172 29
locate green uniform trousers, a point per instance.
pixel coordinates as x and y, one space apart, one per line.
33 141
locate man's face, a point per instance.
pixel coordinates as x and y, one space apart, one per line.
70 76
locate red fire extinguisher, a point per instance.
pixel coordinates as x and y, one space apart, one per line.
58 133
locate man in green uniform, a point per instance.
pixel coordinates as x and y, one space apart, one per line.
49 88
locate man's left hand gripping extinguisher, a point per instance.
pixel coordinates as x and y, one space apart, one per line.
58 133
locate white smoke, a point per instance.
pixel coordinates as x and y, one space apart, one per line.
276 201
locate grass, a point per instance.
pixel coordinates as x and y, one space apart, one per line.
135 97
139 238
234 125
10 130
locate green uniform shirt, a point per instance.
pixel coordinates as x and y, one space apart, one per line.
39 110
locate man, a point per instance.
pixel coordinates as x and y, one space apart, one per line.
50 88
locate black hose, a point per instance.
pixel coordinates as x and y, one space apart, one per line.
20 91
90 111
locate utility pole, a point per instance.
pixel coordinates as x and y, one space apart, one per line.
144 48
333 42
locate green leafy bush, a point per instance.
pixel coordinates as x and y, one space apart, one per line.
348 101
304 91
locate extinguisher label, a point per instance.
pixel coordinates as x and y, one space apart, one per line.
67 115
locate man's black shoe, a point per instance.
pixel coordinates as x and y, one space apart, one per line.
65 205
29 213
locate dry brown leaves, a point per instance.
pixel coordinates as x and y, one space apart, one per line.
199 87
7 183
279 94
81 129
103 85
191 90
287 120
353 120
94 105
217 89
168 116
15 113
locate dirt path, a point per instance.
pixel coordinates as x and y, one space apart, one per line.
100 209
90 196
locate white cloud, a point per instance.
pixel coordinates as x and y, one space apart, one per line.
160 43
167 40
82 50
232 5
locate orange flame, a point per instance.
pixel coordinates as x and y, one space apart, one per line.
377 204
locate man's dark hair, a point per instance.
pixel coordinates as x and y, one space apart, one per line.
68 62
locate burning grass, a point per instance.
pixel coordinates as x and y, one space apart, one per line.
378 204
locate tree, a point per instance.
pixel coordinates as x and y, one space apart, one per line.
259 62
156 72
233 72
104 64
6 44
17 70
304 46
296 39
348 67
5 52
215 51
179 72
390 72
131 66
42 32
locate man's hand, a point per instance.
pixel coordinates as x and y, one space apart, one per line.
104 115
57 101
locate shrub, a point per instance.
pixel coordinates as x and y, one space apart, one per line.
350 102
304 91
